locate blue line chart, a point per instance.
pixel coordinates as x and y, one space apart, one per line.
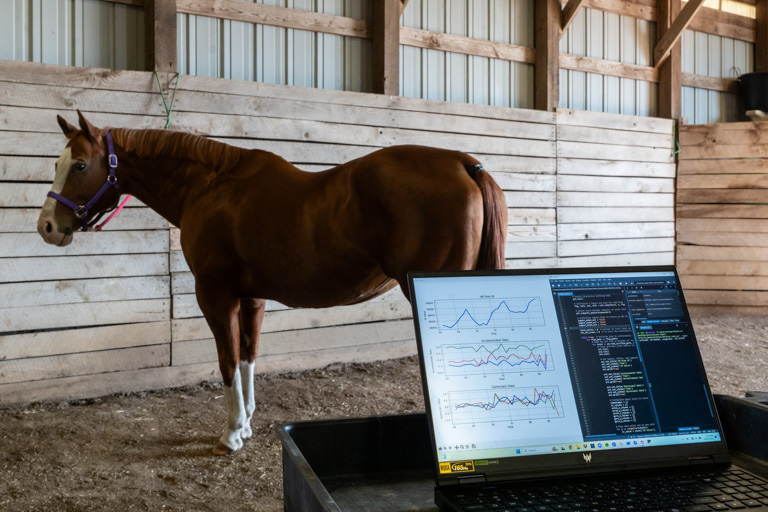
489 313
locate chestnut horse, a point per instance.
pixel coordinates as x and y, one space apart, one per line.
254 227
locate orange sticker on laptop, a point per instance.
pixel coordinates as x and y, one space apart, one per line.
457 467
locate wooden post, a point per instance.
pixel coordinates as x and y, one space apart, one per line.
670 85
160 35
547 68
386 47
761 33
675 30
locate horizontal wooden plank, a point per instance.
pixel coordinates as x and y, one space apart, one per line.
724 24
137 81
639 10
615 230
614 121
531 233
85 363
567 183
567 149
618 260
26 168
530 199
620 199
685 225
727 298
709 181
441 41
728 85
724 133
722 268
59 316
605 67
717 151
520 164
726 239
23 195
514 263
24 220
303 342
622 246
729 166
581 214
620 137
709 282
14 245
89 339
527 250
89 386
714 195
40 293
529 182
727 211
14 270
277 16
531 216
587 167
729 254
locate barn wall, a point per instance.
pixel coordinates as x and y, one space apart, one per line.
115 311
722 233
714 56
613 37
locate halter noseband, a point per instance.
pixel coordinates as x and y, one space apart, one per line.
81 211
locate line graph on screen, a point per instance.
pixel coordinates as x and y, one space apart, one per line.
516 404
489 313
490 358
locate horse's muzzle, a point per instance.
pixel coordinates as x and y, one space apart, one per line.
49 230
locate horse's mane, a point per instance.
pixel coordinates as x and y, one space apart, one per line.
183 146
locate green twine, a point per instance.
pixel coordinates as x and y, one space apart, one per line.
677 142
168 108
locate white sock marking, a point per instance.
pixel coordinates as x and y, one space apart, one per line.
247 371
233 397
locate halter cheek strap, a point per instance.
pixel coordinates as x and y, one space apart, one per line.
81 211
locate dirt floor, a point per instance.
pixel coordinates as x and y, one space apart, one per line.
152 451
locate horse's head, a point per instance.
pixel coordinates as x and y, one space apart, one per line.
83 185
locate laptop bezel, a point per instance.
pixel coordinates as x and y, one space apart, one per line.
573 463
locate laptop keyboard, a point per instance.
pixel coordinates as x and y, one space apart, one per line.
732 489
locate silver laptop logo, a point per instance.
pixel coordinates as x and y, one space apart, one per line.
587 457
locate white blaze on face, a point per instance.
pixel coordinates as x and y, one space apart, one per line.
63 166
46 223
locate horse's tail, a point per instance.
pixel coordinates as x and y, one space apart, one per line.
492 244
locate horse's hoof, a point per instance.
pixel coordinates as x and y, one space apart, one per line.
221 449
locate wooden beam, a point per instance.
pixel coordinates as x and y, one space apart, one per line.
761 34
608 68
547 16
160 35
670 86
465 45
386 47
724 24
675 31
276 17
711 83
569 13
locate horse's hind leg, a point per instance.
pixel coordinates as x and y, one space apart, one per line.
222 314
251 316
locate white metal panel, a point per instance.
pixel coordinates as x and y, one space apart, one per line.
719 57
602 35
72 32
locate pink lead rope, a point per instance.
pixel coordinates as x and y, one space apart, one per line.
98 227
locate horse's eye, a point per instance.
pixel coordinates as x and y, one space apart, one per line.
79 166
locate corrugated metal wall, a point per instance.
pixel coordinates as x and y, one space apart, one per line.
72 33
714 56
603 35
102 34
449 76
245 51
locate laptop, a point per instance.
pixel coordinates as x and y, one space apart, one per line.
570 389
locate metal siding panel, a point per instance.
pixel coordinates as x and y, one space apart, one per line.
501 72
628 56
479 85
595 43
303 50
714 65
644 98
457 65
701 65
611 51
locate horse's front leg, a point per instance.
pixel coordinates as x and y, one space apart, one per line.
251 317
222 311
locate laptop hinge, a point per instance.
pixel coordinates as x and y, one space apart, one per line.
696 461
473 479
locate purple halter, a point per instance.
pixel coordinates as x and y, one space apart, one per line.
81 211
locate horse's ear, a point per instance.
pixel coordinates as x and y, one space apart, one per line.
68 129
89 130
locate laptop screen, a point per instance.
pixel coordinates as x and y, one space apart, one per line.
544 364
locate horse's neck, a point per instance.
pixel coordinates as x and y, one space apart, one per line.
161 183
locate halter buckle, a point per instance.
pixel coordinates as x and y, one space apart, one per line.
81 212
113 161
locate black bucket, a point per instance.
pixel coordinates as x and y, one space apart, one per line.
754 90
